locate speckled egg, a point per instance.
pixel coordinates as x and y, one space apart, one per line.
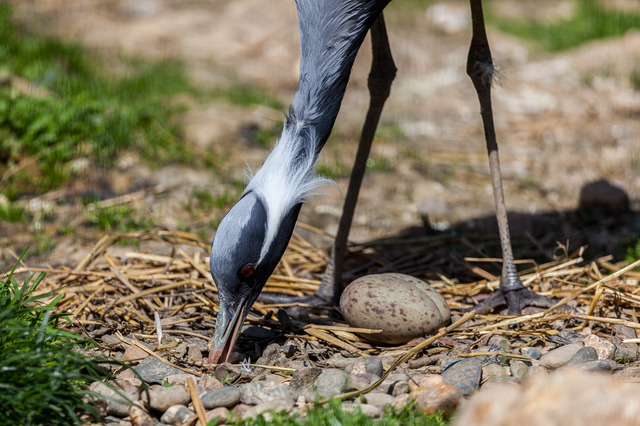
404 307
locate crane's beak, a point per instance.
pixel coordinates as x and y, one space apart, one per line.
227 332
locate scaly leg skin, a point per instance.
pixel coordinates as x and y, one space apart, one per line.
480 69
383 71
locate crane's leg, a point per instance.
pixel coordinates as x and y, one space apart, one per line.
480 69
383 71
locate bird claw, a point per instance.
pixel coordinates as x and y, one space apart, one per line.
515 300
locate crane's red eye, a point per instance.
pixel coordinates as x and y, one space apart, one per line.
247 271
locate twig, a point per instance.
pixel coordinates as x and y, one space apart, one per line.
410 353
197 402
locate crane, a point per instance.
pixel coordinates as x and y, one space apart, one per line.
254 234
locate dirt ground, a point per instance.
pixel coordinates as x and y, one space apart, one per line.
563 120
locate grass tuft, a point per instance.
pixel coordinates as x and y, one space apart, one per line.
43 378
590 21
74 108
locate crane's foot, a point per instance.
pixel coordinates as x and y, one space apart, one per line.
515 299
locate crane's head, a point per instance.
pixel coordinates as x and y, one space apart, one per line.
243 256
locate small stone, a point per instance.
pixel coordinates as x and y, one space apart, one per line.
373 365
604 348
501 342
162 397
111 340
180 379
602 365
633 372
240 409
268 377
534 353
222 413
585 354
394 384
226 396
401 400
537 370
276 405
366 409
431 395
626 352
464 374
304 378
338 361
118 400
560 356
459 349
357 367
152 370
379 399
134 352
208 382
176 415
568 336
495 373
360 381
262 392
330 382
519 370
139 417
194 352
227 373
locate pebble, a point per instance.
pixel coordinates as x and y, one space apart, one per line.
262 392
604 348
139 417
221 413
464 374
330 382
305 377
152 370
532 352
360 381
602 365
519 370
276 405
180 379
431 395
208 382
633 372
176 415
495 373
500 341
240 409
226 396
585 354
227 373
378 399
394 384
134 352
373 365
559 356
118 400
162 397
366 409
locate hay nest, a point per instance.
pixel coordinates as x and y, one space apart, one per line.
161 299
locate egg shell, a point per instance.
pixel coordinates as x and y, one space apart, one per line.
403 306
